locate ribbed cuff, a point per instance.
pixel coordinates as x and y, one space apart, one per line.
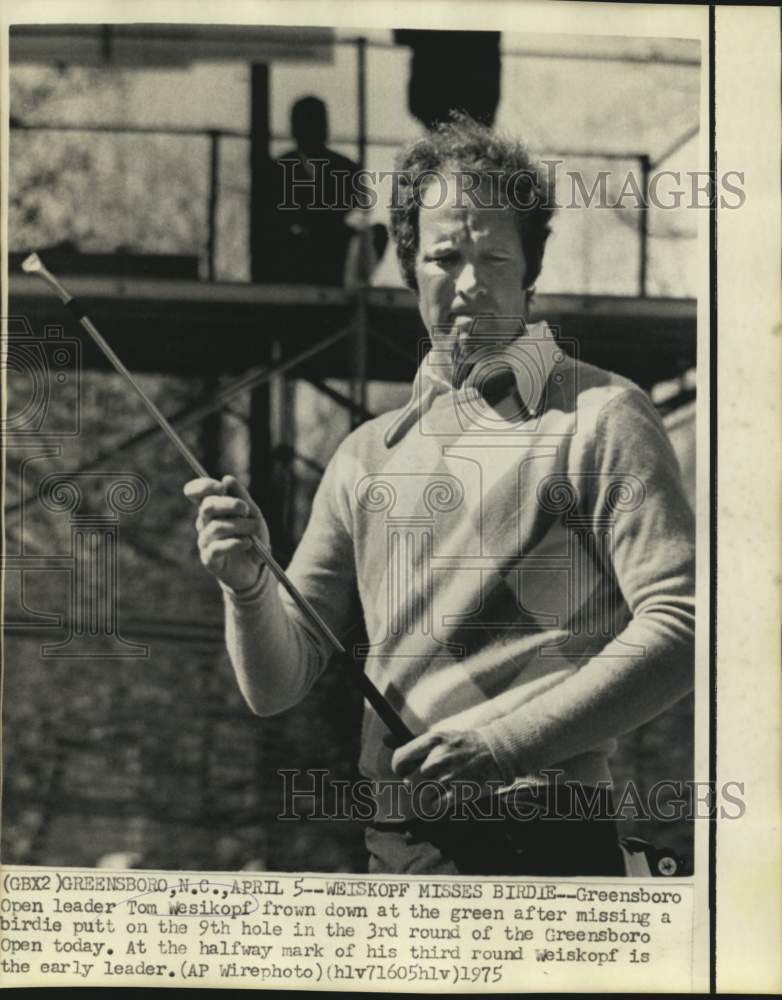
512 741
248 595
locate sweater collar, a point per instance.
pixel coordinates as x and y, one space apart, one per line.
528 360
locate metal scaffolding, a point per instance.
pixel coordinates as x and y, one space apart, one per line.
337 341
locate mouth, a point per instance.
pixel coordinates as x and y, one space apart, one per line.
463 321
469 315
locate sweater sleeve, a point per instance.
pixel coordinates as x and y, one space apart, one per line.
276 652
648 665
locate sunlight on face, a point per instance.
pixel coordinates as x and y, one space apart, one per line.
470 263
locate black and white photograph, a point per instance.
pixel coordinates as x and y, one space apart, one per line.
357 460
273 296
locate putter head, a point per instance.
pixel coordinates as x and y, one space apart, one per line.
31 264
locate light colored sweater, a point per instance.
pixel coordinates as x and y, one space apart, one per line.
523 569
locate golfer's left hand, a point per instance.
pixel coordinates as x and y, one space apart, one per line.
446 757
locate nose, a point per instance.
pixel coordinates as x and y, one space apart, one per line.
469 282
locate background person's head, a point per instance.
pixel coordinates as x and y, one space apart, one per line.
309 125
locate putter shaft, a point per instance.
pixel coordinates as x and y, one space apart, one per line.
34 265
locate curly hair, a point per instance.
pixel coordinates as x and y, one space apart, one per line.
464 145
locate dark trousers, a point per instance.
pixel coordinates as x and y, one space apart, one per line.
545 832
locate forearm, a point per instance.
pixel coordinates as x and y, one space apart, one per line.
611 694
276 652
275 655
630 480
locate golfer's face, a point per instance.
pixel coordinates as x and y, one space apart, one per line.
470 263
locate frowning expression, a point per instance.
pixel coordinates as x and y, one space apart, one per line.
470 263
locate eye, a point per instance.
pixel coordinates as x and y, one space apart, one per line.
444 257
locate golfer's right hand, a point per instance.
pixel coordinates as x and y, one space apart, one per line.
227 520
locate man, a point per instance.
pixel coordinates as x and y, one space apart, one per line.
518 538
308 235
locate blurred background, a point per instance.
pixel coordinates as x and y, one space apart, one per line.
144 165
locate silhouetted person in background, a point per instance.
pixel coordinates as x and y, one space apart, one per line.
312 191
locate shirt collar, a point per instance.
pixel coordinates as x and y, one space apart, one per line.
530 358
